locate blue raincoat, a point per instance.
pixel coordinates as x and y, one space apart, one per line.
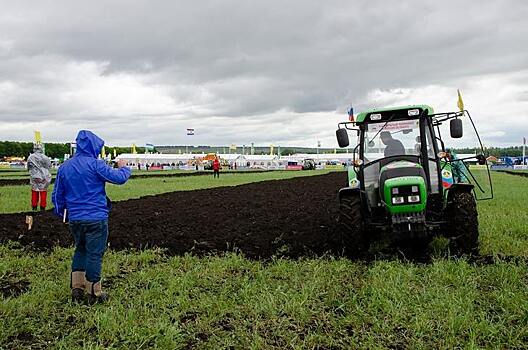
80 183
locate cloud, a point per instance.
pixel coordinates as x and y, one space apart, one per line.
254 71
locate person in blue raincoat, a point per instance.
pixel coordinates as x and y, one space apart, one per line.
79 195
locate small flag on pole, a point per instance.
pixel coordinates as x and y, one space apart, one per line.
460 103
38 138
115 154
351 114
190 131
271 150
134 148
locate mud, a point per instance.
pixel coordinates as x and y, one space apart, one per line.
25 181
12 287
293 218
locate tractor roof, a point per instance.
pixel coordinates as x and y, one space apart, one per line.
362 117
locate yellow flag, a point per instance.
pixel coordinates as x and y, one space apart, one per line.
38 138
460 103
103 153
271 150
134 148
115 154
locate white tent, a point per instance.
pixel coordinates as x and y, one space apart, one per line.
320 158
157 158
238 159
268 162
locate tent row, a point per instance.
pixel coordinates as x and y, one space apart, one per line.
269 162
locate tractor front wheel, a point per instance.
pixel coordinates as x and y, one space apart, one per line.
352 233
463 223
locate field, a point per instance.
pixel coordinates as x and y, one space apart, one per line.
255 266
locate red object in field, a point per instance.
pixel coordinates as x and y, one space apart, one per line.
36 195
294 167
216 164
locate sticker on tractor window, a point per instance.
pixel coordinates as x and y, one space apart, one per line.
447 179
354 183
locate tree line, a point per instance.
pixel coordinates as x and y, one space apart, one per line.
52 150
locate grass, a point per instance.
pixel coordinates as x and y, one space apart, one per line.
216 302
219 302
16 198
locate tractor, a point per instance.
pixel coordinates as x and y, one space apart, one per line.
404 185
308 164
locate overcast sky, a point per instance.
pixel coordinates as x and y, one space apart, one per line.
268 72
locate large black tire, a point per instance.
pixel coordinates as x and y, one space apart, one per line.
352 233
462 228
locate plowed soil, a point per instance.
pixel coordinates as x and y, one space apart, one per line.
25 180
294 217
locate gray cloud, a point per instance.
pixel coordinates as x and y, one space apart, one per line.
144 71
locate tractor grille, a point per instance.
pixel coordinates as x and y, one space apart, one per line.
413 218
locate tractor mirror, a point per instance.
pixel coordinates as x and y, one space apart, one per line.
455 126
342 137
481 159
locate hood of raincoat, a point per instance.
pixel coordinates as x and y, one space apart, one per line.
88 144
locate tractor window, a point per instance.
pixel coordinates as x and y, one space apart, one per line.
433 170
391 139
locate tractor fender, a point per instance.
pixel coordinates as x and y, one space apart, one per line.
348 190
460 187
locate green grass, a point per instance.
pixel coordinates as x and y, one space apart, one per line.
217 302
228 301
16 198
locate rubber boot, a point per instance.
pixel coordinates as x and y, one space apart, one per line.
95 293
77 285
34 208
42 208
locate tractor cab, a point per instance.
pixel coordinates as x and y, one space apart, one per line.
401 174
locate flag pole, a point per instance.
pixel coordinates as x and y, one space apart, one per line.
524 150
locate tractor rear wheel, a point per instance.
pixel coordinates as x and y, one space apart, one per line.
353 238
463 223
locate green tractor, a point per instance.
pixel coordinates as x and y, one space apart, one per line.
404 184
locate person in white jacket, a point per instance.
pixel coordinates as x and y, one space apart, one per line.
39 177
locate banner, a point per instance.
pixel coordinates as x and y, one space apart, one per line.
38 138
460 103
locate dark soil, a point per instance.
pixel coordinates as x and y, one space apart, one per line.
25 181
517 173
10 287
295 217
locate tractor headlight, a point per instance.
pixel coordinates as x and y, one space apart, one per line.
413 199
415 189
398 200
